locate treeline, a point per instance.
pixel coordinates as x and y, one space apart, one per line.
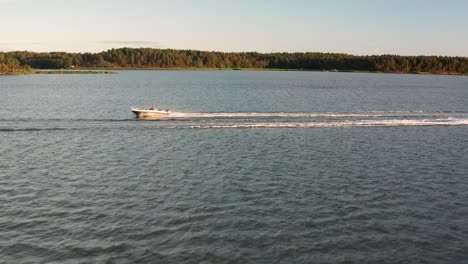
169 58
10 65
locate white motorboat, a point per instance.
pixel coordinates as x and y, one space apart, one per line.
150 112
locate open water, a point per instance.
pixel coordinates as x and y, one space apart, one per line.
250 167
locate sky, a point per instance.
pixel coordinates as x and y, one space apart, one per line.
361 27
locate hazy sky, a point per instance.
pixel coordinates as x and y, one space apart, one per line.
407 27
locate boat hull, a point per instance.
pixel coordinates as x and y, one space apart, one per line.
144 115
149 113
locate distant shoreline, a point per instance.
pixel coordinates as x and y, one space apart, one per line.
93 70
263 69
101 71
172 59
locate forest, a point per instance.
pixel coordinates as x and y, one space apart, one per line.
25 61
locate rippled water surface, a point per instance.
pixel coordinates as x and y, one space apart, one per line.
249 167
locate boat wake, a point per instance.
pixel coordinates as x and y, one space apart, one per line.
316 114
252 120
343 123
319 119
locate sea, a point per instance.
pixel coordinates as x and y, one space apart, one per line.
249 167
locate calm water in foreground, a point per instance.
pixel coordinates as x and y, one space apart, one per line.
251 167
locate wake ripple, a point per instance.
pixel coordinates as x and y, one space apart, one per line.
347 123
318 114
180 120
30 129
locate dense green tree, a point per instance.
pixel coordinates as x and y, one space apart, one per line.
10 65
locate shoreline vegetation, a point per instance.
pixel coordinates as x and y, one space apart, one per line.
264 69
25 62
74 72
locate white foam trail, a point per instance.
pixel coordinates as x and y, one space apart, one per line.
314 114
346 123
